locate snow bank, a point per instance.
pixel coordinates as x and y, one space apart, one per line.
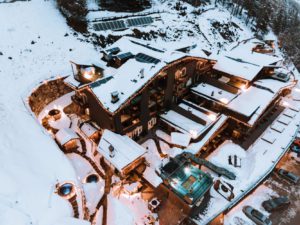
34 48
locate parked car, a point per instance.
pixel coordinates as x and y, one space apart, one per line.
256 216
289 176
276 203
225 189
295 148
297 142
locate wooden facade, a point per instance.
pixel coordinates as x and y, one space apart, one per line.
140 112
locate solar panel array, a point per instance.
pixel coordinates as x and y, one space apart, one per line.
140 21
124 56
111 25
120 24
146 58
113 50
99 82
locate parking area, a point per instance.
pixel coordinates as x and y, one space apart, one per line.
273 186
291 215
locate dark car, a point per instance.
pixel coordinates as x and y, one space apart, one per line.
295 148
256 216
276 204
289 176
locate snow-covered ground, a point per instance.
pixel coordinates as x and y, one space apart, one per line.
135 210
36 44
195 26
236 215
34 47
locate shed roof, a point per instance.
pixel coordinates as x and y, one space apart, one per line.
214 93
88 129
186 125
65 135
126 151
237 67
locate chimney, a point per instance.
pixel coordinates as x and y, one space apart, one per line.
142 73
114 97
111 151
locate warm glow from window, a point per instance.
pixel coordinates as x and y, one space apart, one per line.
286 104
193 133
87 75
244 88
224 100
212 117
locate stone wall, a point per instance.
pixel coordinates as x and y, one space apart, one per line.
46 93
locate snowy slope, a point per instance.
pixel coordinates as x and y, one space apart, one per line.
35 44
203 26
30 162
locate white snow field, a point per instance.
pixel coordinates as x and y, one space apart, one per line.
30 162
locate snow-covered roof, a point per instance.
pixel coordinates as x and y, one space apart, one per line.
284 120
88 129
206 115
269 136
243 62
277 126
233 66
250 102
180 139
195 147
65 135
215 93
273 85
126 151
183 123
186 125
254 57
290 113
89 63
129 78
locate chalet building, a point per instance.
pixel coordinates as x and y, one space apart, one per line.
185 91
120 152
91 131
146 81
67 139
197 100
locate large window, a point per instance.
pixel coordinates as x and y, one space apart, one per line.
157 95
131 114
